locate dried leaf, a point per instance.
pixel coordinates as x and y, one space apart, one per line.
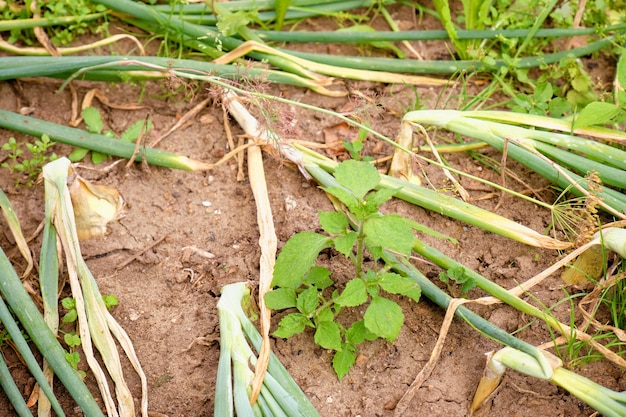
95 205
335 135
587 267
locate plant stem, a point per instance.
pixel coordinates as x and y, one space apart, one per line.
436 295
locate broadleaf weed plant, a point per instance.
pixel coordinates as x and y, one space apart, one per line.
359 232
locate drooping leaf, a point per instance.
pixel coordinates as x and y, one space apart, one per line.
297 257
280 298
399 284
354 294
343 360
328 335
384 318
291 324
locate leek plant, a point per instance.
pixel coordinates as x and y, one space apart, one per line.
97 326
562 152
607 402
280 395
39 332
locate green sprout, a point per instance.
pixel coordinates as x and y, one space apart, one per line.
19 161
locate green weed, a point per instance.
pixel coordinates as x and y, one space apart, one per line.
58 34
29 163
71 339
358 232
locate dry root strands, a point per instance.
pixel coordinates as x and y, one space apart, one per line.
95 323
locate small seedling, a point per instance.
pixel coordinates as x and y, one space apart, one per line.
359 232
356 148
71 338
31 167
93 121
458 276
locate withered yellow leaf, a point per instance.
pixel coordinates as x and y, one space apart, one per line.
95 205
586 268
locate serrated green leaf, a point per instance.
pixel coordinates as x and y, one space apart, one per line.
357 333
334 222
297 257
307 301
344 360
384 318
291 324
596 113
559 106
319 277
280 298
137 129
93 119
354 294
345 243
391 232
398 284
328 335
357 176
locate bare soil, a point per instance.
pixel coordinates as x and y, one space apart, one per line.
168 294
